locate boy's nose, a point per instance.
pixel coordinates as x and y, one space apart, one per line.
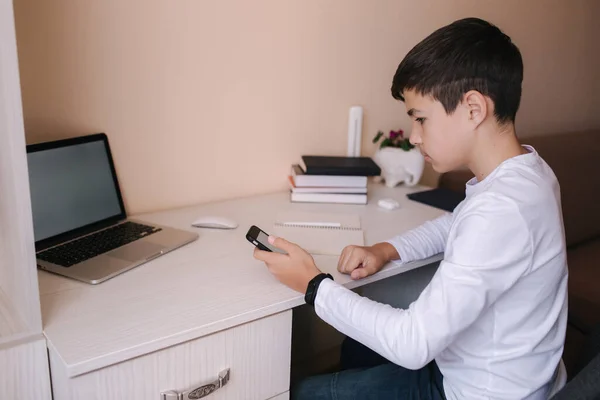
415 137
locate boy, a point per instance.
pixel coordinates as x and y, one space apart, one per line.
491 322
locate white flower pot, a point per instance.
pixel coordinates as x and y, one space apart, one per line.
400 166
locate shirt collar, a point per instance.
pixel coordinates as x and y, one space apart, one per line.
474 186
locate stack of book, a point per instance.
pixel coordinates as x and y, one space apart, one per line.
329 179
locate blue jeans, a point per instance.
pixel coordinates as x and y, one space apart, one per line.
365 375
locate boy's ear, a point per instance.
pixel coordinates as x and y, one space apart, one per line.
476 106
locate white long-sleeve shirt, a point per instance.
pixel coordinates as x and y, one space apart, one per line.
494 314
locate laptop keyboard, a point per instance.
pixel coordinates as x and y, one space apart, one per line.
95 244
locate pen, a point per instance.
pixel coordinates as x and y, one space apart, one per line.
314 224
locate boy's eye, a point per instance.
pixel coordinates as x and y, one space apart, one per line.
420 120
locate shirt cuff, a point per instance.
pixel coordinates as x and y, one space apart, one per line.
401 249
326 286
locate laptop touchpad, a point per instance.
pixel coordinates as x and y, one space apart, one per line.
136 251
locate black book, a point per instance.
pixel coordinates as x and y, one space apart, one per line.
340 166
442 198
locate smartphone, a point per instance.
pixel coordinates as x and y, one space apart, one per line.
260 239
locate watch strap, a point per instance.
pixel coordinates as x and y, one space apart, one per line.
313 286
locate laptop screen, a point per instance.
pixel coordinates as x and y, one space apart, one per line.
72 185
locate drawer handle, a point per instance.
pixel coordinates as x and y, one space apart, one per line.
199 392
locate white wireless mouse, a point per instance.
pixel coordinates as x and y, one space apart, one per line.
211 221
388 204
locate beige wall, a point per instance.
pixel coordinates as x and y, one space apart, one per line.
213 99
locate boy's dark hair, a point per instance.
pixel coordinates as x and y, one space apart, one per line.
468 54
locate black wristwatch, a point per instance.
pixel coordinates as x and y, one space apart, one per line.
313 286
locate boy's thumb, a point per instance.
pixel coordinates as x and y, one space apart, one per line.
361 272
281 243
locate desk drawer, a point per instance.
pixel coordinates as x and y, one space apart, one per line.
257 355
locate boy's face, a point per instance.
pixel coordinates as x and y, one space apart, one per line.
445 140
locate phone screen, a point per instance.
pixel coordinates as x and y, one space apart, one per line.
263 238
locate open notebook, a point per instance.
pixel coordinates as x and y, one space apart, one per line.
319 233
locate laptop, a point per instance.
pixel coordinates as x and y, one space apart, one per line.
80 225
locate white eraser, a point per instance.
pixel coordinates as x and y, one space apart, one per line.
388 204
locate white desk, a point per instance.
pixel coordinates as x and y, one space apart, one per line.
177 321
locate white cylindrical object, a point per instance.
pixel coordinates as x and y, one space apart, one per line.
355 131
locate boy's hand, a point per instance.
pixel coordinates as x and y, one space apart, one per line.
294 269
360 262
